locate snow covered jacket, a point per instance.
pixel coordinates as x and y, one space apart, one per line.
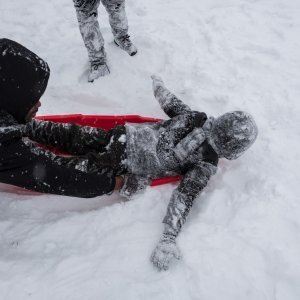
152 150
196 157
23 80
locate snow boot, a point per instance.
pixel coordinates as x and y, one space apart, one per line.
98 70
125 44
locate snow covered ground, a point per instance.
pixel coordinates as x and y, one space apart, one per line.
242 238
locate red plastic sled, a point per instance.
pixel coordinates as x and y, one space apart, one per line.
107 122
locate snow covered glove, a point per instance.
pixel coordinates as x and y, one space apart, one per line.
189 145
133 184
165 251
170 104
156 82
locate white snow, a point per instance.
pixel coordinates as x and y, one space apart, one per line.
242 238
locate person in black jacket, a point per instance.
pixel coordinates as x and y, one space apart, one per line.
187 144
23 80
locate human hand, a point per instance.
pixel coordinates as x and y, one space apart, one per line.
164 253
119 183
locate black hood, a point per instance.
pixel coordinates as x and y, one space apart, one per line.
23 79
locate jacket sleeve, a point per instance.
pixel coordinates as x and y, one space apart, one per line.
21 167
183 197
180 130
73 138
170 104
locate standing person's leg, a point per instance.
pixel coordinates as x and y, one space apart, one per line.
119 24
87 14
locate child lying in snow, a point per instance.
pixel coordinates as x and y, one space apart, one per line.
189 144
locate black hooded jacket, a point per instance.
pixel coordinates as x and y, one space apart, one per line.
23 80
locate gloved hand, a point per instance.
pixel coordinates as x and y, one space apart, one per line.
165 251
161 93
133 184
156 82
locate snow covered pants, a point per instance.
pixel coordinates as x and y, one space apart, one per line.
87 13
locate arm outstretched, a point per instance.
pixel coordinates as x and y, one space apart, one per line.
170 104
72 138
181 202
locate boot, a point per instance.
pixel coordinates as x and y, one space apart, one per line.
125 44
98 70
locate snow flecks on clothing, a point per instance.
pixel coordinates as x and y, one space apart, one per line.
122 138
151 148
30 57
177 207
171 105
10 129
193 182
141 149
7 120
189 144
175 146
79 163
87 15
233 133
110 143
166 250
4 52
133 185
24 163
95 150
